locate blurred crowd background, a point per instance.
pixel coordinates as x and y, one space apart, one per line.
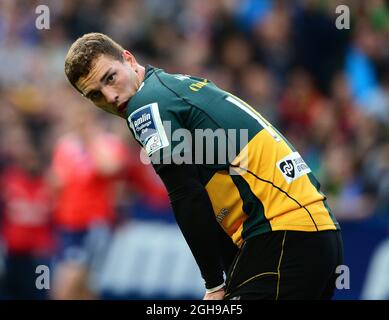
71 175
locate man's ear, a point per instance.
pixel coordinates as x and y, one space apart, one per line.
128 56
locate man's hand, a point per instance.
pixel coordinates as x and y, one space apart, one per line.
217 295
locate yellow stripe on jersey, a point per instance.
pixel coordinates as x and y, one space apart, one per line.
286 201
288 206
227 205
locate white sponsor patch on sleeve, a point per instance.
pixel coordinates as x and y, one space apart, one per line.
148 129
292 167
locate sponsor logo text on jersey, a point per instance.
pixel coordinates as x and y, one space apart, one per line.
145 117
293 167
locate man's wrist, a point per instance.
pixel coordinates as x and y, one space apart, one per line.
214 289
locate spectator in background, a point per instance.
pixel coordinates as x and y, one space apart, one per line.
85 168
319 46
300 103
347 193
25 218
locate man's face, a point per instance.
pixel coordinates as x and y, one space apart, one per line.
111 83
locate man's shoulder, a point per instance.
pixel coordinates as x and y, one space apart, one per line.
183 85
158 87
179 84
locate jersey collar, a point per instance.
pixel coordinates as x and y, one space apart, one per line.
149 70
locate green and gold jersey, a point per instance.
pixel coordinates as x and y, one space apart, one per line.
256 181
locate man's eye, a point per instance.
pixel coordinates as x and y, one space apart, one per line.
111 78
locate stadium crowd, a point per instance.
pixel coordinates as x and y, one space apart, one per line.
66 167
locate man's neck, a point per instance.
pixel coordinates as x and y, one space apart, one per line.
141 73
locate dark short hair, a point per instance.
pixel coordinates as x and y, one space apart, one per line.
85 50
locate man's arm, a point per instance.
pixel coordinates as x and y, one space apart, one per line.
211 247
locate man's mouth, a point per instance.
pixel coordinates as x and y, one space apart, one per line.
121 108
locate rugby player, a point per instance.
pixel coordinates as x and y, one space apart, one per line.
257 216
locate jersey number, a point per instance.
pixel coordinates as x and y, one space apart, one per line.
253 113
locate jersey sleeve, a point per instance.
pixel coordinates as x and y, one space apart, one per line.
212 249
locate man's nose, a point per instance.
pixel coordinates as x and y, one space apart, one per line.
110 95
